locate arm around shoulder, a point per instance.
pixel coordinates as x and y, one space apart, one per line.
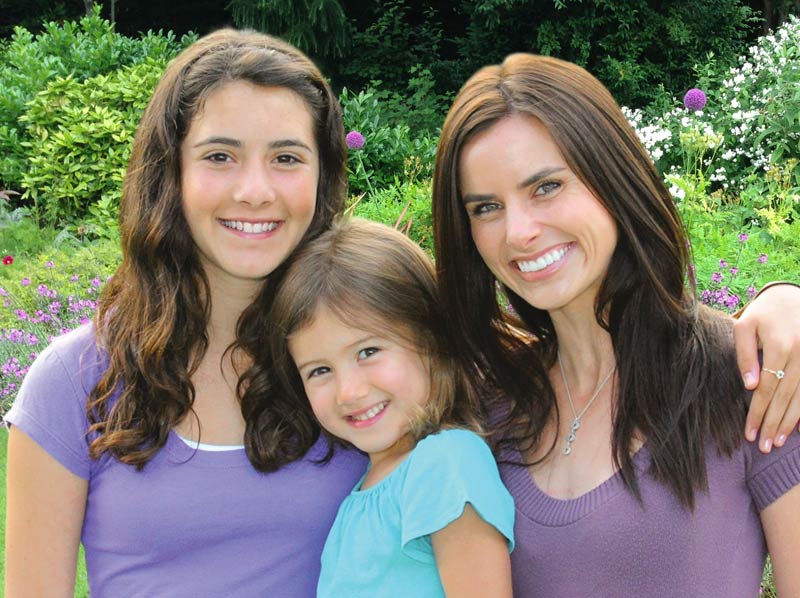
45 509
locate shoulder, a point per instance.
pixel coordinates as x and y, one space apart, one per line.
51 404
72 360
770 476
452 449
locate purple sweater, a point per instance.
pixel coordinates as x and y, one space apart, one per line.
605 543
192 523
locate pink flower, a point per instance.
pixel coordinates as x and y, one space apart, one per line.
8 260
694 99
354 140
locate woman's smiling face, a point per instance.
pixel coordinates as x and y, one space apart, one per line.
539 229
249 173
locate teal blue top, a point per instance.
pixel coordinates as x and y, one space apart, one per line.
380 542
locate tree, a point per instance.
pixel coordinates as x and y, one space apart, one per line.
318 27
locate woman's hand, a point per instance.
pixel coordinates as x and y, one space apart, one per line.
772 322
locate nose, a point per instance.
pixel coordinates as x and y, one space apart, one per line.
522 224
351 388
254 184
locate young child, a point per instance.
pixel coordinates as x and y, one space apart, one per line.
363 341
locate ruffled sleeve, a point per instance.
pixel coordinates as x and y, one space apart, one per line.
447 471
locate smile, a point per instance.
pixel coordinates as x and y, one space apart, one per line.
370 413
549 258
250 227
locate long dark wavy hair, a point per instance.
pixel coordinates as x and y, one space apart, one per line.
375 278
154 311
675 359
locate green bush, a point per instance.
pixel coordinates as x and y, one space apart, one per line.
77 50
391 152
404 206
754 110
79 140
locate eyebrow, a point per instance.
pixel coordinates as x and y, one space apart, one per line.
531 180
277 144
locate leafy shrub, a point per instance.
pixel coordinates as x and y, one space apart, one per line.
80 135
406 206
390 151
754 108
78 50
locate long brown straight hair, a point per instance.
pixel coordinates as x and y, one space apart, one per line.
154 311
676 365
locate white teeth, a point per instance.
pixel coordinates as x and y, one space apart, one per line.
250 227
544 261
370 413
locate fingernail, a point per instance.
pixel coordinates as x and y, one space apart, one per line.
766 445
780 440
749 379
750 434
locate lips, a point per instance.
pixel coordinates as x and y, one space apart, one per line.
545 260
246 226
369 413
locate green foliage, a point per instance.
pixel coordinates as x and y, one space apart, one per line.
754 110
404 206
79 139
75 50
315 26
392 152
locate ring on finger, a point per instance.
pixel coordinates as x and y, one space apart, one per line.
777 373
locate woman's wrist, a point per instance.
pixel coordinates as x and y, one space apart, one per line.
769 285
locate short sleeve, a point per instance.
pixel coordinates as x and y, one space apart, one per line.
51 402
772 475
446 472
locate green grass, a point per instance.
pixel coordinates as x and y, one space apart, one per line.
81 585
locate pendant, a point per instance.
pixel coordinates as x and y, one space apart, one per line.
571 436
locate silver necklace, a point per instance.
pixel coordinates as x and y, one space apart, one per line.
576 423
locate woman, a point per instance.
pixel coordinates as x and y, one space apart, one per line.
239 158
616 395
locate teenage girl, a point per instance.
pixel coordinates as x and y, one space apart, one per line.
360 334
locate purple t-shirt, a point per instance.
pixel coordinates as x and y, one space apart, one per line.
605 543
193 522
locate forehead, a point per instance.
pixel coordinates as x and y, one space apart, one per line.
245 104
515 145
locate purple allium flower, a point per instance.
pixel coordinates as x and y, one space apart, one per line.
74 278
751 292
762 259
694 99
742 237
25 282
50 264
354 140
716 277
734 271
723 264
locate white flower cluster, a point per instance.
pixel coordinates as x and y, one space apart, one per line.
743 125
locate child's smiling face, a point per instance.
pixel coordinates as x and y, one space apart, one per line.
363 386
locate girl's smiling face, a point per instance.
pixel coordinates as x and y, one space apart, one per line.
536 225
363 387
249 172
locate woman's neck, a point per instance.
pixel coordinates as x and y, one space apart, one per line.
585 348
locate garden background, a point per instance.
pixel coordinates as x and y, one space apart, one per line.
712 87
